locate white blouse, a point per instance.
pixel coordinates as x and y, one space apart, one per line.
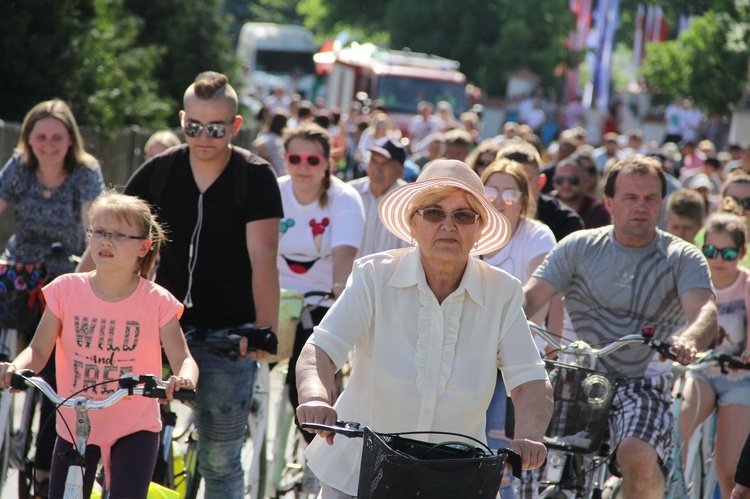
419 364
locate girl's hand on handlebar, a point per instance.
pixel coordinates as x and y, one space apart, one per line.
6 373
175 383
532 453
318 412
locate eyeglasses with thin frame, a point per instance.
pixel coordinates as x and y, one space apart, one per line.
480 163
507 196
311 159
460 217
572 180
727 254
118 237
214 130
744 202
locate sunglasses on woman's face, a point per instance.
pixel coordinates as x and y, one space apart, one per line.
508 196
727 254
460 217
744 202
214 130
310 159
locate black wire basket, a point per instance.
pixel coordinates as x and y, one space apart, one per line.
398 467
583 398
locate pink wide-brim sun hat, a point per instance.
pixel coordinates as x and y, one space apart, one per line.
394 209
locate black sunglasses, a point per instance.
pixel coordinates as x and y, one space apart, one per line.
744 202
214 130
572 180
460 217
728 254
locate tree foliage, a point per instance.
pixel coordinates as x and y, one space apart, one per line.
699 64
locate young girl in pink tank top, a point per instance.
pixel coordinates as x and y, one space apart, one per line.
105 324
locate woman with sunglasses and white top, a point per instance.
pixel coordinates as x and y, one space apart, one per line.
507 188
321 230
430 326
729 393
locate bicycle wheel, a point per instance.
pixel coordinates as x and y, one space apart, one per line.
23 440
254 449
293 465
192 475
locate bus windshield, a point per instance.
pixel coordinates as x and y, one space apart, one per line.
279 61
402 94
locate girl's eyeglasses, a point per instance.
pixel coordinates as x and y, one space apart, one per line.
214 130
728 254
310 159
460 217
118 237
508 196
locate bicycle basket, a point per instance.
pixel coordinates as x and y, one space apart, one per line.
394 466
20 294
582 401
290 308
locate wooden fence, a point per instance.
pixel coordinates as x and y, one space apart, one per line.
119 157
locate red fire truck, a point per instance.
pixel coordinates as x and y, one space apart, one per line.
399 78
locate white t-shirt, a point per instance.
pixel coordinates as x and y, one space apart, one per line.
308 233
532 238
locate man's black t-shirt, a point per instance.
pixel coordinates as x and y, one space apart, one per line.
558 217
221 288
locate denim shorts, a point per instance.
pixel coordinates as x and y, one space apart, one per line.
728 391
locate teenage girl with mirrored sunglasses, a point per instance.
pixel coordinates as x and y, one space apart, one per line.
729 394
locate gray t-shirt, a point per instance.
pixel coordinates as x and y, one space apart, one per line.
613 290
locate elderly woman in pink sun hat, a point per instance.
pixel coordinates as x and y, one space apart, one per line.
430 327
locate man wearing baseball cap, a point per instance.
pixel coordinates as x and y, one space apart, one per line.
385 170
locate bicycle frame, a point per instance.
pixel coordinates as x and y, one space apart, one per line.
147 386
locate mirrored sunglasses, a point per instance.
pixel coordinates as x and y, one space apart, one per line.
508 196
310 159
460 217
727 254
214 130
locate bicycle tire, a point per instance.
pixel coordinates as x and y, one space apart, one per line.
23 440
294 462
192 474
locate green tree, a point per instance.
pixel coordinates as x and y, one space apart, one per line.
194 39
36 53
699 64
112 83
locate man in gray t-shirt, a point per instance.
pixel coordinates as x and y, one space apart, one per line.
618 279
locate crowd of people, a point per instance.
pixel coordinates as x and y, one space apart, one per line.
435 244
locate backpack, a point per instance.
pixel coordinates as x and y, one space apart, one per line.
159 177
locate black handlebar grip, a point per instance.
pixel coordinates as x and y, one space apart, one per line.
258 339
161 393
18 380
514 460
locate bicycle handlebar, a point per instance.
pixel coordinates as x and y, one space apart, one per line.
352 429
146 385
646 337
257 339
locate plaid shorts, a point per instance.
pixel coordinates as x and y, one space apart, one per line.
642 408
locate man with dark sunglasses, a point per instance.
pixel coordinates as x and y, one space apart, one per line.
220 259
617 280
570 182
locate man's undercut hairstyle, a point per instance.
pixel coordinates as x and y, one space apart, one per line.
212 85
639 164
